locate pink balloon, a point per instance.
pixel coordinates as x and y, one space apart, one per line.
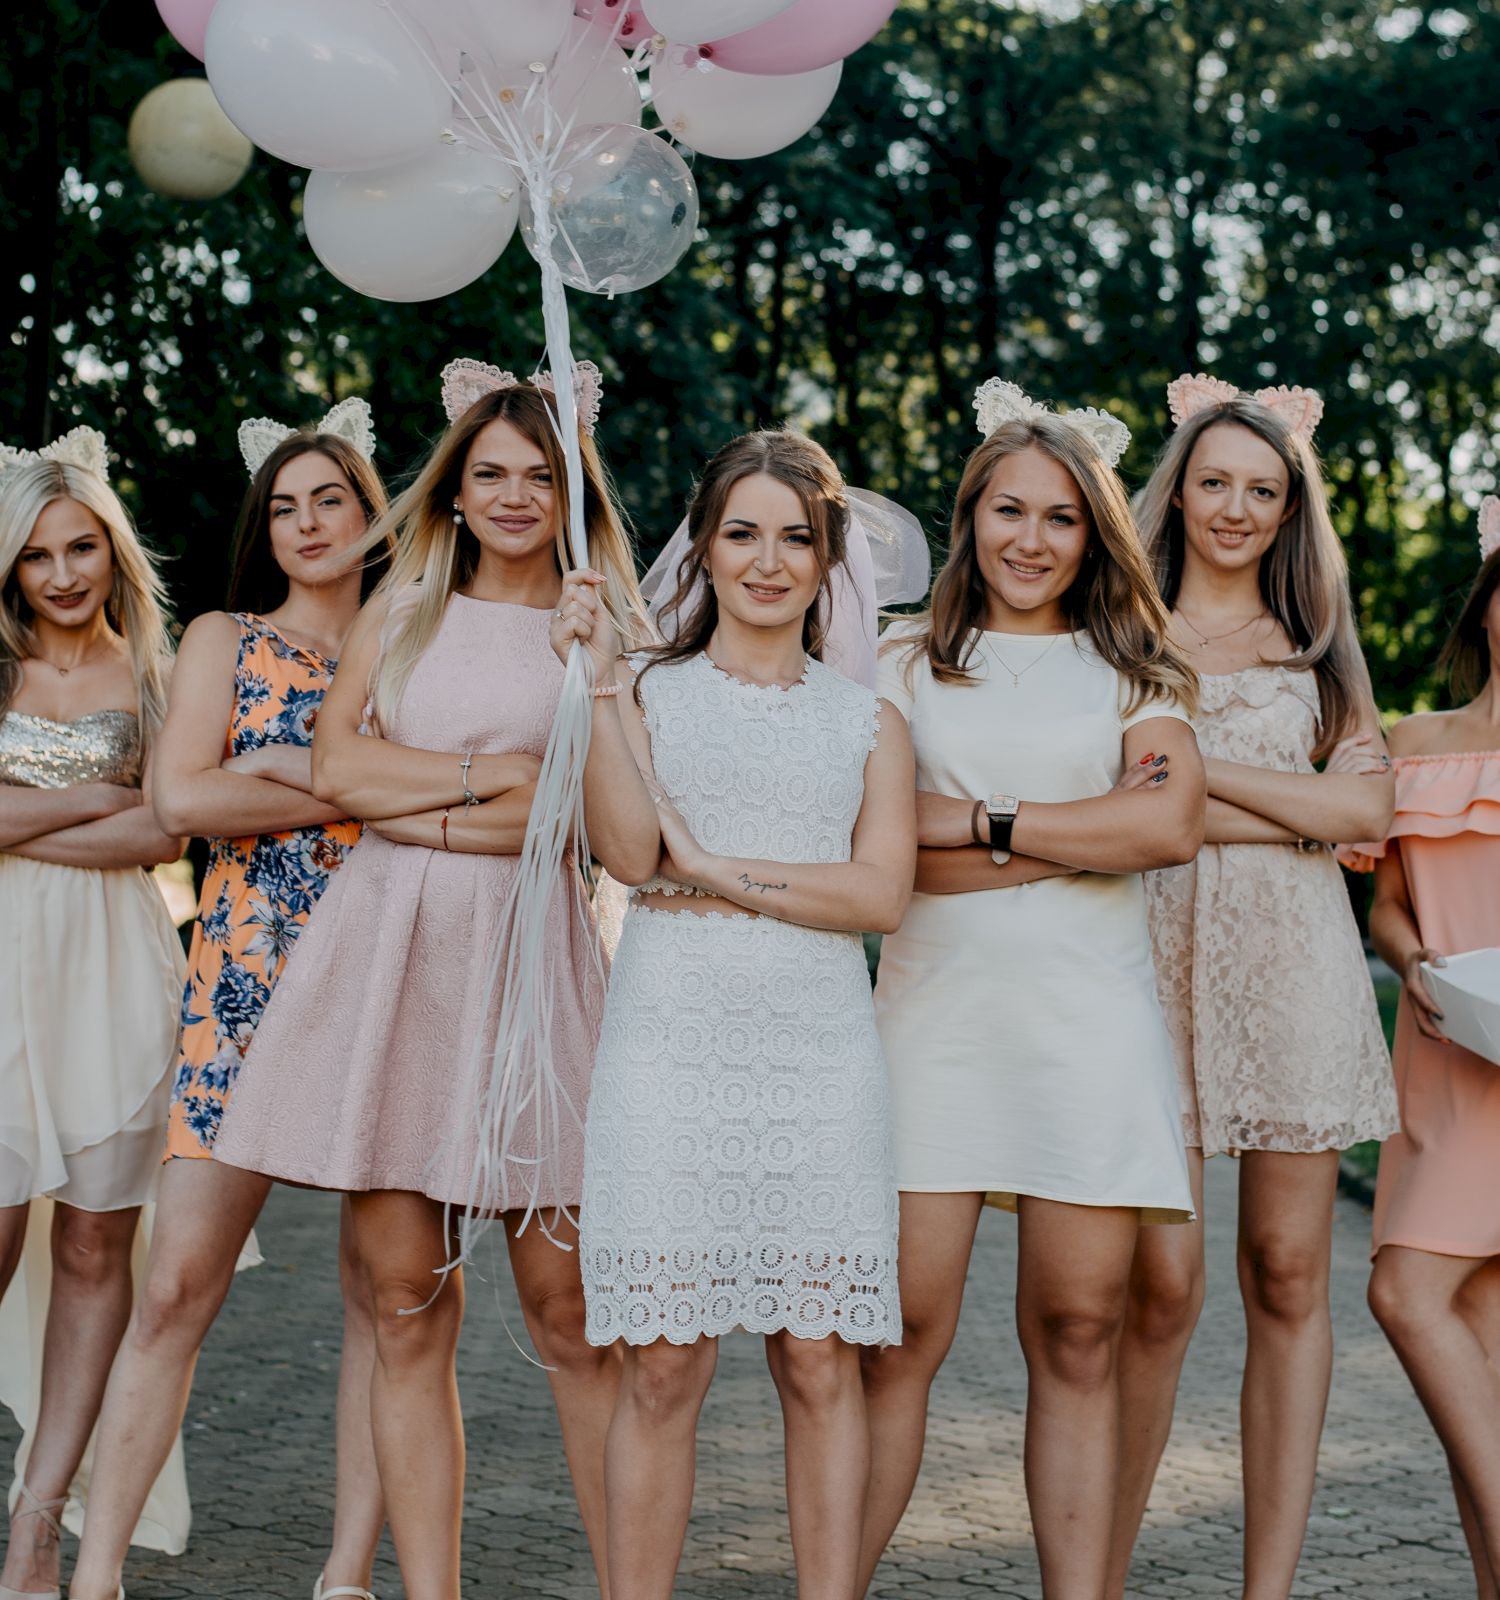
187 22
602 14
812 34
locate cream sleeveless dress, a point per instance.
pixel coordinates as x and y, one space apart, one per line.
90 980
1027 1050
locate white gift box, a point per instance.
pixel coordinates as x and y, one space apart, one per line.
1467 990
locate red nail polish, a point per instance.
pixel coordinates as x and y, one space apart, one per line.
1149 756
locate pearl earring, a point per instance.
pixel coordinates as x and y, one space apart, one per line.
458 516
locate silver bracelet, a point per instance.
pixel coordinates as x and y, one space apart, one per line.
470 798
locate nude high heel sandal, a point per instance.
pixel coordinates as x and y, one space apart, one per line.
319 1592
32 1507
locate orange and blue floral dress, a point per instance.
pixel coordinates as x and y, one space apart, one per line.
257 893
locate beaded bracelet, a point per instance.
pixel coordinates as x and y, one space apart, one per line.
604 690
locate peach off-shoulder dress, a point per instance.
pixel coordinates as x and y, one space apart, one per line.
1439 1184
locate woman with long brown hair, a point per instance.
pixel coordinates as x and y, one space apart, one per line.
1029 1060
234 767
737 1173
89 976
1261 972
433 734
1435 1288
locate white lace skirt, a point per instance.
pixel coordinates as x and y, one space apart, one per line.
737 1165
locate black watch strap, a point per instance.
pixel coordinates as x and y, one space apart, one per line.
1001 824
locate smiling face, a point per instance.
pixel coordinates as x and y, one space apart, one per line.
315 518
507 494
1031 533
1235 496
66 569
761 559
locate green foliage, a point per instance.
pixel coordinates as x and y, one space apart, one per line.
1086 195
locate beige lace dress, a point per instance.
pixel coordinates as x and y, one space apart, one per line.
1258 961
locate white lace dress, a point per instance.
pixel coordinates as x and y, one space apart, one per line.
737 1163
1262 977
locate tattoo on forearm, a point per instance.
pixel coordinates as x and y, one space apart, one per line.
750 883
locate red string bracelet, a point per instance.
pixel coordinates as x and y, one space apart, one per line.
443 826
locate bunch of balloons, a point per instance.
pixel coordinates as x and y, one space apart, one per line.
434 128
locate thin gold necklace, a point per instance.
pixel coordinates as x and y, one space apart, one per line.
1206 639
1015 677
62 672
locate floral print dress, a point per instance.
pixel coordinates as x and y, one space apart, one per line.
257 893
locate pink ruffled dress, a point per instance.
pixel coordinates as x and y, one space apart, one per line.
360 1073
1439 1184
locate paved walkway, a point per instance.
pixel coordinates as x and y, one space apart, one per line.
261 1459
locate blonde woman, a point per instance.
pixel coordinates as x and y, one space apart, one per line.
354 1081
1017 1005
234 766
90 974
1261 972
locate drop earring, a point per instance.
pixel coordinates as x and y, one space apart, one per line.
458 516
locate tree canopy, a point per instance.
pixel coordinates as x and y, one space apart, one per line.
1087 196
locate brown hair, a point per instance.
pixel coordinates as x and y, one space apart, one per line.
1113 599
804 467
1304 577
256 581
434 555
1465 657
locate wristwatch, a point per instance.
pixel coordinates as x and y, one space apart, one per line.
1002 809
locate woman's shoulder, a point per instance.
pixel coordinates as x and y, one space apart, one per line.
1428 733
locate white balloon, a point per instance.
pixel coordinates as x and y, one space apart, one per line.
590 81
737 115
183 145
324 83
506 30
413 231
624 206
701 21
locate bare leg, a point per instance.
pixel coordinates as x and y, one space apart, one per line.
358 1507
1166 1296
1417 1299
827 1458
649 1461
585 1379
1070 1309
1285 1244
204 1212
937 1239
86 1316
418 1425
13 1221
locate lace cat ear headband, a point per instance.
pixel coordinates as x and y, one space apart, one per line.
466 380
78 447
1300 409
1489 526
351 420
997 401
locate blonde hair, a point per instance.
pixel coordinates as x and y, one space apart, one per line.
1113 599
434 555
137 605
1304 576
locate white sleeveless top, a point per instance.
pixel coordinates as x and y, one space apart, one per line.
760 772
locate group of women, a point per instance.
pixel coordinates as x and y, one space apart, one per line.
1090 798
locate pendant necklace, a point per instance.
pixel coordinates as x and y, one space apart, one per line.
62 672
1015 677
1206 639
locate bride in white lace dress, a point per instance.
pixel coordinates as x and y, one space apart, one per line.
738 1170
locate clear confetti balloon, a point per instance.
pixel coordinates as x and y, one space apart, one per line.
624 208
